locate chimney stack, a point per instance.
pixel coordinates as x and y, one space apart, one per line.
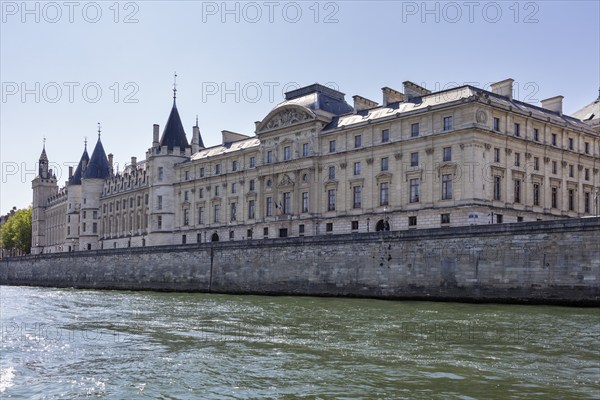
553 104
412 90
362 103
70 171
391 96
503 88
110 164
155 135
133 163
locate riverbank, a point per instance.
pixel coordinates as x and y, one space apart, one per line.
549 262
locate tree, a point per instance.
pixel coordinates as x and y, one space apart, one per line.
15 233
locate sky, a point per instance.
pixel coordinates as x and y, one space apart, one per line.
67 66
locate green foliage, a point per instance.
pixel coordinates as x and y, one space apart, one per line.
15 233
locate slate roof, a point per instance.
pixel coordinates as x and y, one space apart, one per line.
79 171
174 135
98 167
590 112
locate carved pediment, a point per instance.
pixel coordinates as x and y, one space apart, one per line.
286 181
285 117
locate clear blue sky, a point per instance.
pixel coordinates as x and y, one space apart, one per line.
253 51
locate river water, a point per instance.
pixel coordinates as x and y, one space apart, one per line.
65 343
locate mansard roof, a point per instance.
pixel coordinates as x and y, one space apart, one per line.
174 135
81 167
98 167
589 113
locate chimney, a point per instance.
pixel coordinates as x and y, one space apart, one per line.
412 90
362 103
391 96
70 171
553 104
195 139
110 164
133 163
155 135
503 88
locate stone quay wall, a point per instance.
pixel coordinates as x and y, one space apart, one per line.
545 262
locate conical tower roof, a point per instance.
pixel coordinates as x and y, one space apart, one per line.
81 167
98 167
174 134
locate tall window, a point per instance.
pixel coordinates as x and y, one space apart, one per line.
186 217
233 212
554 167
517 190
586 202
331 200
554 197
158 223
251 208
517 129
269 207
384 193
571 170
414 130
161 173
305 150
269 156
287 153
287 203
331 172
496 154
447 156
217 211
447 123
586 174
385 135
217 190
234 188
536 163
158 203
497 124
356 195
201 215
357 141
571 143
536 194
252 185
384 164
497 187
234 165
202 172
446 186
252 162
414 190
304 202
571 199
536 134
586 147
217 169
186 195
357 168
554 139
517 159
332 146
414 159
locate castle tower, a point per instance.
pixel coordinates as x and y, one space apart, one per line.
74 202
92 183
173 148
44 185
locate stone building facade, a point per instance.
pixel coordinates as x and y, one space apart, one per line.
320 166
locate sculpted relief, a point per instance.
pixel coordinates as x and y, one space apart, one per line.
285 118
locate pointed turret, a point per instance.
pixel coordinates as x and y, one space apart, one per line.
43 163
98 167
81 167
174 134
